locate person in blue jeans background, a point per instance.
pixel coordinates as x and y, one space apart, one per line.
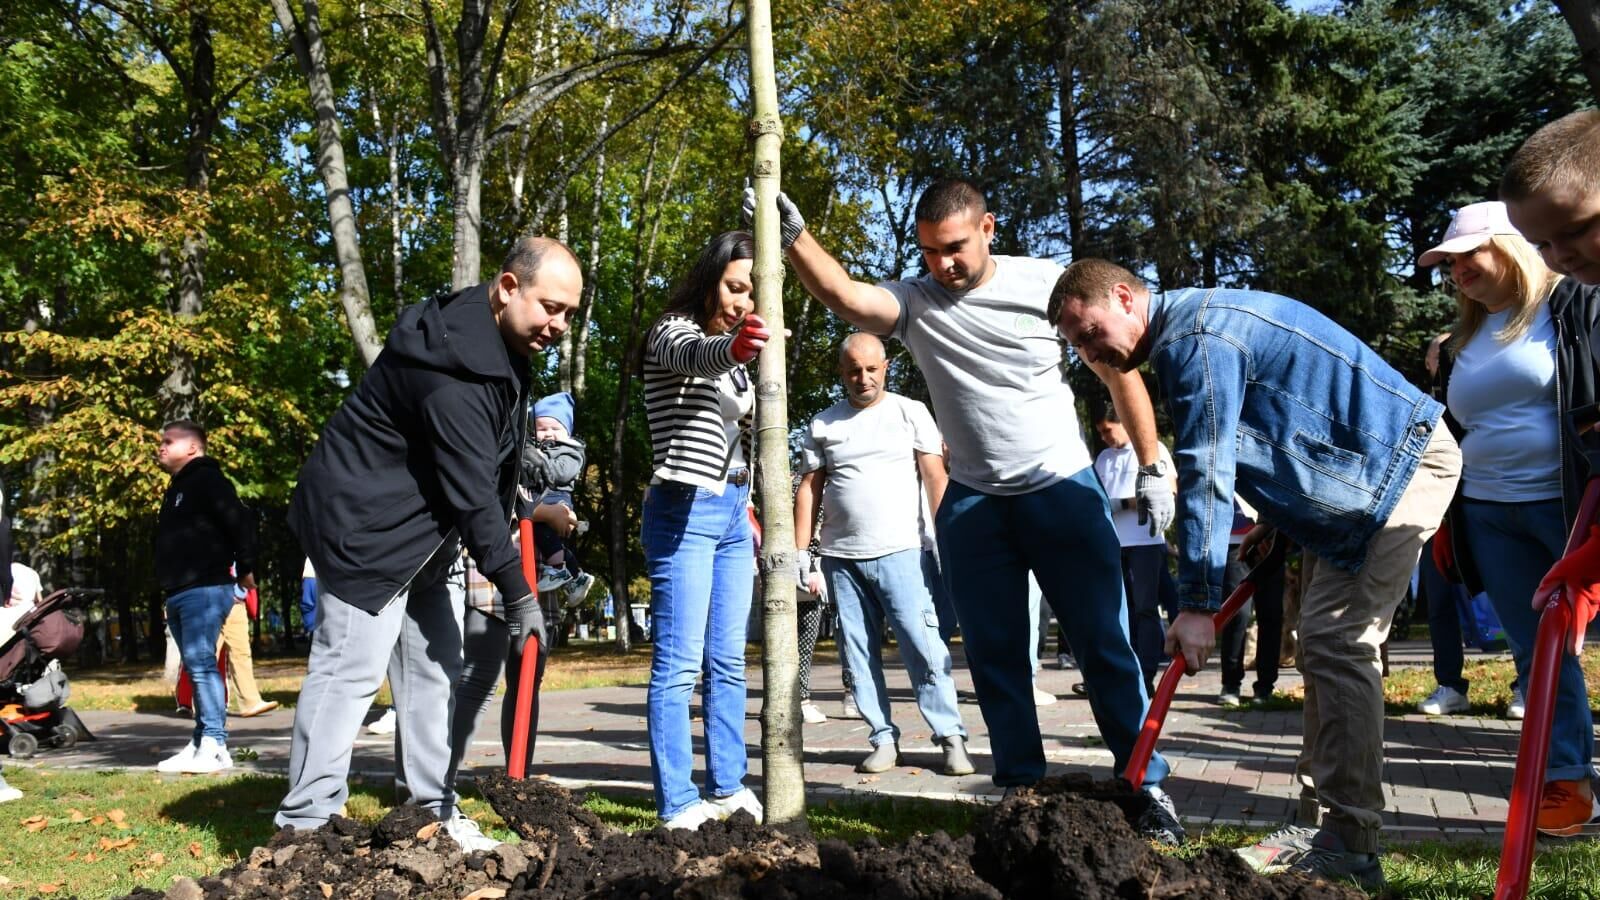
1022 496
203 534
1330 444
1519 360
698 543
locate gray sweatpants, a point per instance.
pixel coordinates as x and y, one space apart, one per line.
417 640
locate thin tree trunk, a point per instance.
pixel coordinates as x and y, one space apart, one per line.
782 746
1071 164
575 343
396 228
1583 17
306 41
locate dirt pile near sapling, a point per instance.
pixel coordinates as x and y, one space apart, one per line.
1070 838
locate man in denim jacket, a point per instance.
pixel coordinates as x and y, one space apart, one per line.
1272 399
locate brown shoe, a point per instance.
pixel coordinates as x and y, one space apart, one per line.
265 707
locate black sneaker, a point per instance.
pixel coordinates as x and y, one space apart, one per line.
1330 860
1159 822
1279 850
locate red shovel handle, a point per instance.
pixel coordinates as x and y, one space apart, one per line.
1156 716
517 765
1533 747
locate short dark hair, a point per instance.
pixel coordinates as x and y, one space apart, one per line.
527 255
950 197
1562 154
1107 413
187 426
1089 280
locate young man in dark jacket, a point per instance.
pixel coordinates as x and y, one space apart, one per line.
203 536
419 461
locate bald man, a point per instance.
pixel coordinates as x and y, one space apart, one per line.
421 460
862 459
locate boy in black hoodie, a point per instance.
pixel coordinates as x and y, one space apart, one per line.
419 461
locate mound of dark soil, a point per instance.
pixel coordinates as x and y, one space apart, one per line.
1068 838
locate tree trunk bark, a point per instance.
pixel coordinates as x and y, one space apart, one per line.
1071 164
179 394
1583 17
782 746
306 42
576 340
468 226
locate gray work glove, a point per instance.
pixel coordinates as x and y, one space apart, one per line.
1153 493
790 222
802 566
524 617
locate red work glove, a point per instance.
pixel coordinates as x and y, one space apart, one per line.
1578 576
751 337
252 603
755 526
1444 553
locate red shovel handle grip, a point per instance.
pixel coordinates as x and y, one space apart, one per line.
517 764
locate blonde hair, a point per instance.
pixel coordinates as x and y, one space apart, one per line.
1534 282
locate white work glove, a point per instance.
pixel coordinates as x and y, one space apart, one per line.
1153 493
790 222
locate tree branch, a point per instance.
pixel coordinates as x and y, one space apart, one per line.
442 94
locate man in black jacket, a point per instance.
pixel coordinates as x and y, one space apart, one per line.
203 536
419 461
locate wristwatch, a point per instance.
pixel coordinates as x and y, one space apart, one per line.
1159 468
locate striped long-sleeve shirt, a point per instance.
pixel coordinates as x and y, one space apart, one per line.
683 385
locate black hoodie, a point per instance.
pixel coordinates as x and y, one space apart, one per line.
422 454
202 530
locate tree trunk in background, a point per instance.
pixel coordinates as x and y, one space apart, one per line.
1071 165
306 41
782 746
1583 17
179 394
575 342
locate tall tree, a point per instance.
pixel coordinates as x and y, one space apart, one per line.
1584 18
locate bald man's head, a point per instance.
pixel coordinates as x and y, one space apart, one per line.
862 366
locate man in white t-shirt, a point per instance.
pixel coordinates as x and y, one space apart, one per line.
1022 496
866 458
1144 550
26 591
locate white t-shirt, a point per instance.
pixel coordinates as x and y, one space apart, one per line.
1118 470
993 367
25 585
736 404
872 488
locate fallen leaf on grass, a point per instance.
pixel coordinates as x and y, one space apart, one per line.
4 880
116 815
195 850
485 893
116 844
77 816
90 857
98 820
158 859
35 823
427 831
47 888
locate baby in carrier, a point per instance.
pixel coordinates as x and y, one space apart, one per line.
552 463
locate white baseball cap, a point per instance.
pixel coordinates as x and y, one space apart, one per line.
1471 226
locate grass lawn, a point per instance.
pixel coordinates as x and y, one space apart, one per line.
100 834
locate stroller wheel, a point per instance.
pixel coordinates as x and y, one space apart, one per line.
23 745
66 736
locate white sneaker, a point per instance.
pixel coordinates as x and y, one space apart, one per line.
692 818
177 761
1042 698
467 833
1443 702
211 756
384 723
812 714
7 792
723 807
1518 707
847 709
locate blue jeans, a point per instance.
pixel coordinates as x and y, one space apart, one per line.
895 586
1515 545
942 605
700 557
195 617
1063 534
1444 622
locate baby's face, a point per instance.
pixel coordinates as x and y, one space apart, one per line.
547 429
1564 223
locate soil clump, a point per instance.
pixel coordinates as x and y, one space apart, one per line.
1066 838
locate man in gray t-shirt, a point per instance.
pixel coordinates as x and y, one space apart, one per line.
1022 496
866 458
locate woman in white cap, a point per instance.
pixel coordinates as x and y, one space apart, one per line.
1518 362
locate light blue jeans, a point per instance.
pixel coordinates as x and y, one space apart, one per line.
1515 544
195 617
700 557
895 587
988 544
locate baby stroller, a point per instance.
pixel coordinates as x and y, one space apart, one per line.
33 689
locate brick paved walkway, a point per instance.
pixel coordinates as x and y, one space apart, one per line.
1447 777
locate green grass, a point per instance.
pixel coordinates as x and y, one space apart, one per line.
192 826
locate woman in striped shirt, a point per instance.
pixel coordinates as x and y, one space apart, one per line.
697 539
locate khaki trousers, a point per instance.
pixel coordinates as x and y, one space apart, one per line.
1344 619
236 637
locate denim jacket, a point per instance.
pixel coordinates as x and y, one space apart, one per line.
1270 398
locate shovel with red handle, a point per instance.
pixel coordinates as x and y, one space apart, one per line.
1145 746
1556 626
517 765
